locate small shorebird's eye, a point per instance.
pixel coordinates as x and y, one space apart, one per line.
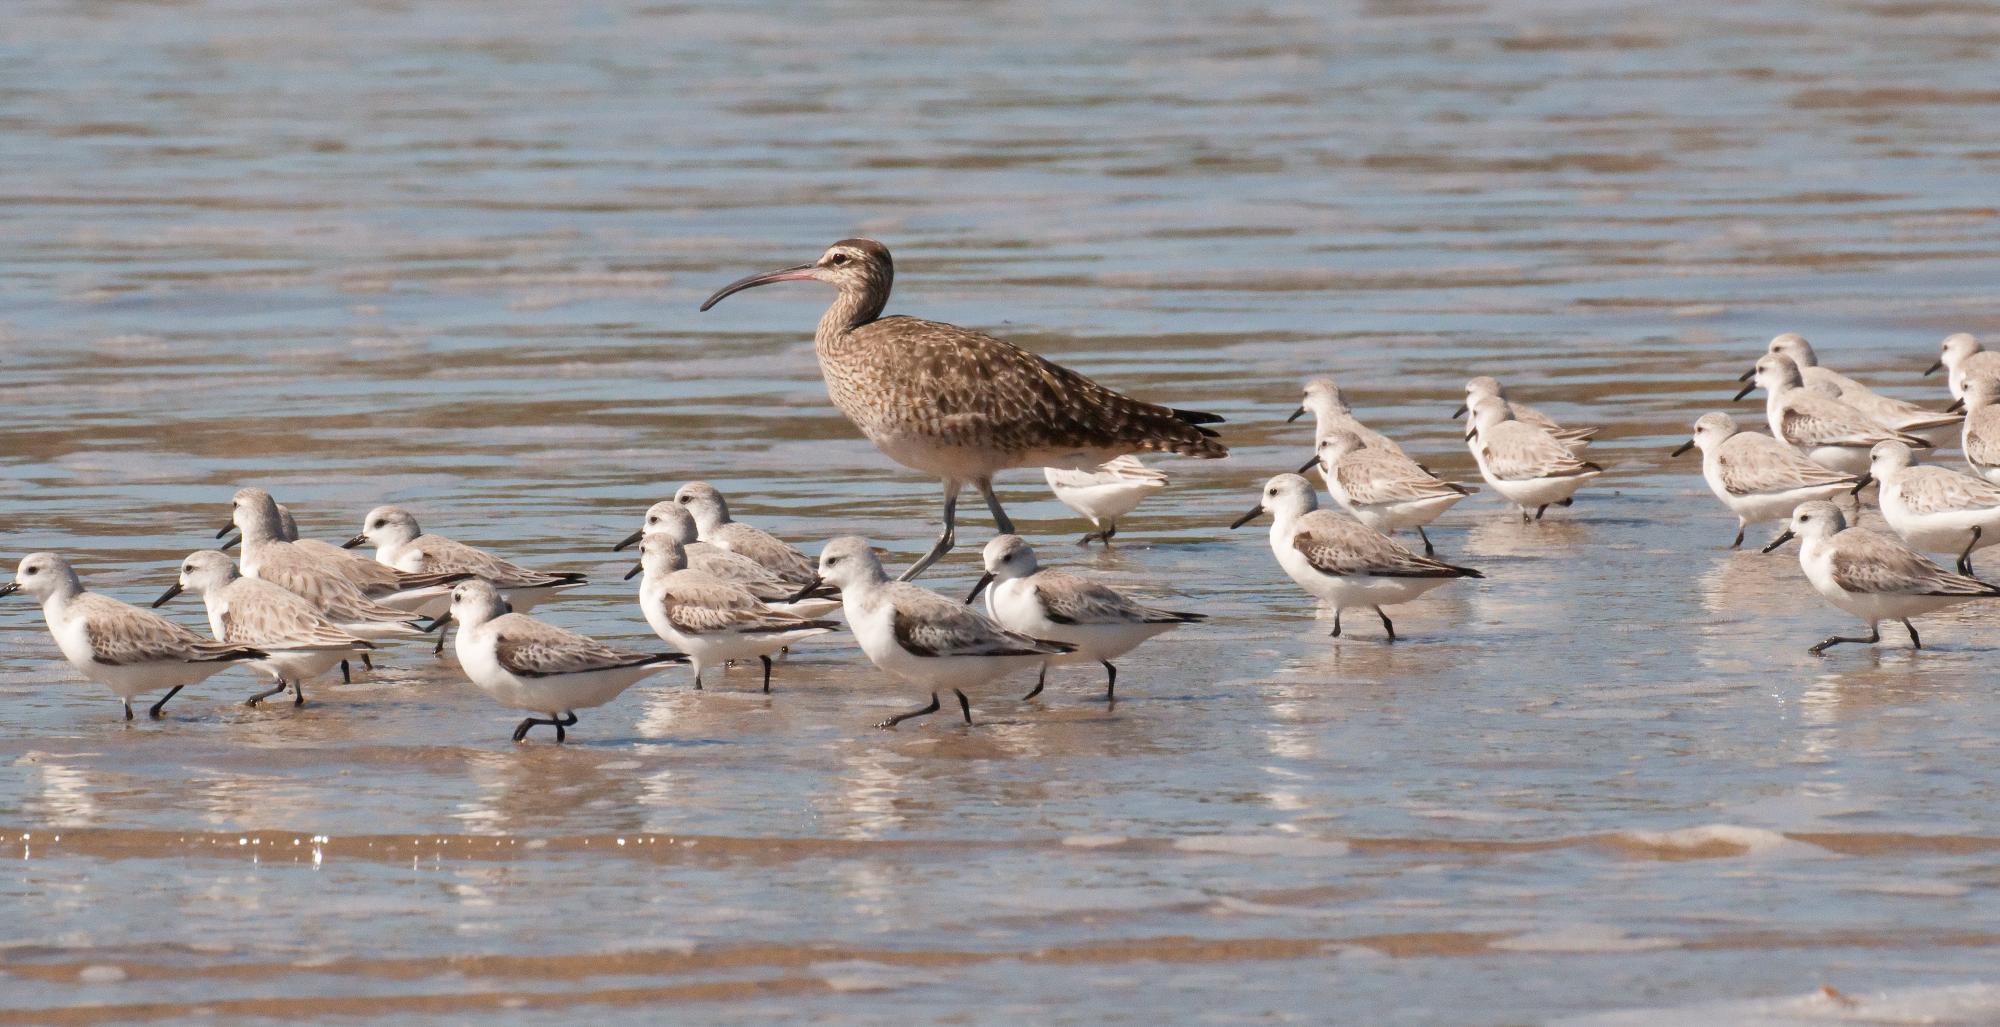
32 570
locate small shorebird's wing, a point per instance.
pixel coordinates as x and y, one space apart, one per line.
1870 562
928 624
1762 464
1069 599
442 556
123 636
530 648
1341 547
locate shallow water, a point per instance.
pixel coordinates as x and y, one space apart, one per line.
428 254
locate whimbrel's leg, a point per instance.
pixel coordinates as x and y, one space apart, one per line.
176 690
1429 550
1874 636
900 717
1110 681
1914 640
261 696
943 545
964 705
1386 626
1001 522
767 674
1965 558
1040 680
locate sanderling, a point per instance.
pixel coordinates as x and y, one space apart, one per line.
318 581
1893 414
1384 490
1341 560
1525 464
712 620
711 518
1980 439
130 650
402 544
249 612
1044 603
1487 387
1324 400
419 594
532 665
922 637
1871 575
671 519
1965 358
1757 477
1828 431
1105 494
1936 508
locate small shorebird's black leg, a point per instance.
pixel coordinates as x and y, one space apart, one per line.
1965 558
900 717
1740 529
945 540
568 718
1110 530
442 632
1040 680
1110 682
697 680
556 720
964 705
346 675
1914 640
299 692
1429 550
261 696
1001 522
161 705
1089 537
1386 626
1336 623
1524 515
521 731
767 674
1874 636
128 709
366 662
1540 510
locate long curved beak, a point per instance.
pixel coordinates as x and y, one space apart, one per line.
1296 414
1780 540
441 620
167 596
1307 466
1747 375
630 541
795 273
1933 369
10 588
1748 388
1684 447
1247 518
358 540
636 570
1861 483
230 542
1460 412
811 586
984 580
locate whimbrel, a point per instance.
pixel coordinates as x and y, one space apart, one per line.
960 404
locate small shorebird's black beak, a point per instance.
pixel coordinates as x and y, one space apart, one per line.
1861 483
637 568
1934 368
1307 466
1460 412
10 588
1780 540
630 541
984 580
795 273
167 596
230 543
1296 414
441 620
1247 518
1469 433
1748 388
1956 406
1684 447
226 529
1747 375
809 588
358 540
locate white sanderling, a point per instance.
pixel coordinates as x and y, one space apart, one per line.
712 620
1828 431
1384 490
1961 354
1936 508
671 519
1341 560
1487 387
317 580
711 518
1045 603
245 611
922 637
420 594
1980 439
400 542
1757 477
532 665
1105 494
1331 413
1872 575
1895 414
1528 466
130 650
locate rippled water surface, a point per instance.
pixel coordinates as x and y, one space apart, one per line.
448 255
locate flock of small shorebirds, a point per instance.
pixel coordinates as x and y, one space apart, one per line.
962 405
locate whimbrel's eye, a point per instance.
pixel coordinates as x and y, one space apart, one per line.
837 259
